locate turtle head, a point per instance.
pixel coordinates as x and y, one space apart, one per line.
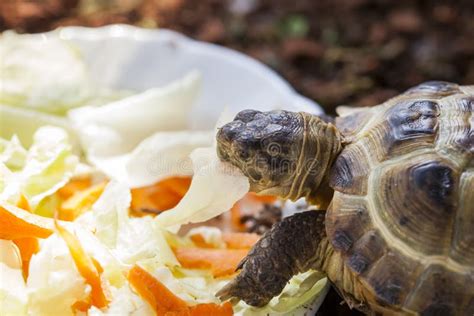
278 151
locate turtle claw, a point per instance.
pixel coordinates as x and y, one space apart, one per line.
239 289
229 292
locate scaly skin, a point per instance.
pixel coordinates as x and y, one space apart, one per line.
285 154
281 253
282 153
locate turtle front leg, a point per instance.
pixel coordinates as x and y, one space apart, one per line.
294 245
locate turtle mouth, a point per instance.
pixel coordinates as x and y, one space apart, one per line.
224 148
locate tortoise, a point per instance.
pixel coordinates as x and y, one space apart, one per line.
393 192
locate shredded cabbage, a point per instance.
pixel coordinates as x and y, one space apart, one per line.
43 74
49 164
13 295
54 283
215 187
165 154
295 299
137 139
132 239
124 303
40 171
23 123
212 235
116 128
9 254
12 153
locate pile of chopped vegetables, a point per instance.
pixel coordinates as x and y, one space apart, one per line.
97 198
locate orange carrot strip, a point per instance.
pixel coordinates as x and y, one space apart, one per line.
235 216
81 306
211 309
164 302
262 198
207 309
23 203
240 240
221 262
28 246
86 267
154 292
80 202
179 185
17 223
200 242
161 196
77 184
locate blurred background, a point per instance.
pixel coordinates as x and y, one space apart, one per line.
357 52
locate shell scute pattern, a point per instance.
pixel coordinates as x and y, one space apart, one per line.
435 89
349 224
411 226
407 125
457 129
462 247
392 277
439 291
415 199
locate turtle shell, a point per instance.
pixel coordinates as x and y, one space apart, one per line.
402 216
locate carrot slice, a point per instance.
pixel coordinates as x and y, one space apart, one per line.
86 267
154 292
161 196
200 242
164 302
179 185
28 246
80 202
262 198
74 185
23 203
81 306
240 240
211 309
18 223
221 262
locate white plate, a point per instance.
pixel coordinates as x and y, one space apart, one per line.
127 57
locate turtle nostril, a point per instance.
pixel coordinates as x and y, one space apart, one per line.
246 115
229 131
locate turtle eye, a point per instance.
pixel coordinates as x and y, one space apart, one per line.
244 154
